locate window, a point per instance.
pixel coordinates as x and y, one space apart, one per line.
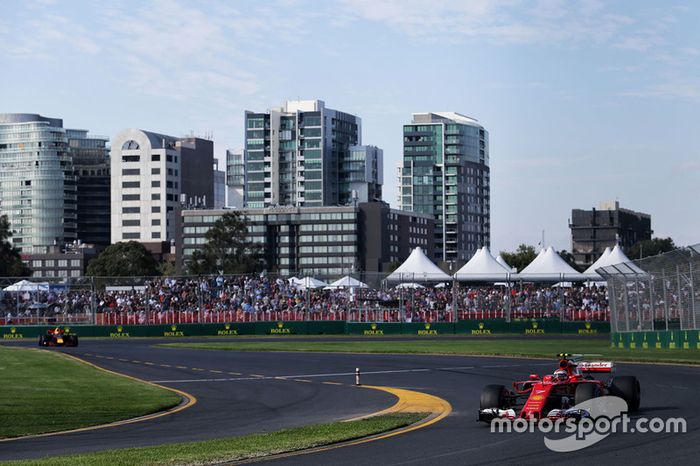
130 171
155 235
131 184
131 158
130 197
155 157
131 210
155 197
155 171
155 209
155 184
155 221
130 236
131 223
62 263
130 145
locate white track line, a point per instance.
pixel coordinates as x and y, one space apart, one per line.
336 374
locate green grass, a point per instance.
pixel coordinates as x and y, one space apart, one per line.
45 392
526 346
238 448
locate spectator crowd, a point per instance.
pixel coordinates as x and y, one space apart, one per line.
260 298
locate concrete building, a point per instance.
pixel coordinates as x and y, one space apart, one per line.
152 174
235 178
594 230
445 173
68 261
219 187
362 173
297 155
320 241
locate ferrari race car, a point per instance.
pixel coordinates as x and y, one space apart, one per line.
555 396
58 337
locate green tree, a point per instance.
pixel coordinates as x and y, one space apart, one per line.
227 249
521 257
650 247
11 264
125 259
569 259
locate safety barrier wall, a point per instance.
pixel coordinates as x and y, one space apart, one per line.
652 340
476 328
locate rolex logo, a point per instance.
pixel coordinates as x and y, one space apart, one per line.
481 325
373 326
588 325
427 326
535 325
173 328
120 328
13 330
280 324
227 326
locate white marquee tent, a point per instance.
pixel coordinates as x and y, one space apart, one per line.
503 262
622 265
482 267
26 285
346 282
310 283
548 266
418 268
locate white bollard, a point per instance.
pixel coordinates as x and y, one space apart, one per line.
357 376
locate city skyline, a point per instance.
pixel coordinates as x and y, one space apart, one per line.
585 102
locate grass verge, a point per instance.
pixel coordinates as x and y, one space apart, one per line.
526 347
238 448
47 392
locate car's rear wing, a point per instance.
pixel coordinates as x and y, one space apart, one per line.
595 366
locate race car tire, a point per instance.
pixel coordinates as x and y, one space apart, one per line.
41 340
627 387
493 396
74 340
585 392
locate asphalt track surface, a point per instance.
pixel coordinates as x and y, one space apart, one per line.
246 392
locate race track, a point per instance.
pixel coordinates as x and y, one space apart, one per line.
246 392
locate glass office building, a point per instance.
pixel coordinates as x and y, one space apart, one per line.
38 183
445 173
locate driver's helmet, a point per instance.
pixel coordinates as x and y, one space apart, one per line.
560 375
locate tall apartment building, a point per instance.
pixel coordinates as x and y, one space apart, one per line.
152 174
297 155
38 190
445 173
90 156
235 178
608 225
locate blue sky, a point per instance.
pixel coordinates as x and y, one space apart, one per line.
585 101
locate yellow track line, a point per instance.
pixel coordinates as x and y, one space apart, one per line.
409 401
189 401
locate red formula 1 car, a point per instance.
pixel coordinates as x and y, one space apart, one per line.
58 337
554 396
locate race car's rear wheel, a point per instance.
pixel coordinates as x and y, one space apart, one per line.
627 387
494 396
585 392
41 340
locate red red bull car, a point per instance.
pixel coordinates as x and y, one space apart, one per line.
58 337
555 396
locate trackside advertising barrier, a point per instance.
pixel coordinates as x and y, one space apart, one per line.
529 327
663 339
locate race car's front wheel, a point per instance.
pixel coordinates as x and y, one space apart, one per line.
585 392
627 387
494 396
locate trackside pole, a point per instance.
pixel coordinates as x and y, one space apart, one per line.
357 376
